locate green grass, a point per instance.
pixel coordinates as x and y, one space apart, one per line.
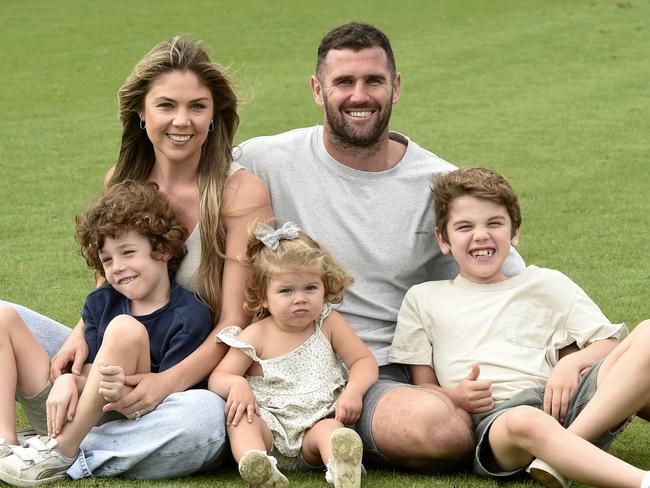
553 94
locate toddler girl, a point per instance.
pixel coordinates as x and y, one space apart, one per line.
285 387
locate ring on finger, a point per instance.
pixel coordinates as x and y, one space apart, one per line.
136 415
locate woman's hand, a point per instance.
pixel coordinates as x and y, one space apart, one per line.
71 356
149 391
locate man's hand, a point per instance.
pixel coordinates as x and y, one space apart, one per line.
61 403
471 394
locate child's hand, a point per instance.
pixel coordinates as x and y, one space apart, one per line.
473 395
348 407
560 386
111 383
61 403
241 399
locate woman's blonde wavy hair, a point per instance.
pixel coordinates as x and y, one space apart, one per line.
136 158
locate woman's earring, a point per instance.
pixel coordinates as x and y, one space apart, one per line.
143 124
211 128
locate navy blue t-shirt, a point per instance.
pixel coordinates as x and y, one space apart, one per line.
175 330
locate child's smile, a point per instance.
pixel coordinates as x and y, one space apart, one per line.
479 237
132 270
125 281
478 253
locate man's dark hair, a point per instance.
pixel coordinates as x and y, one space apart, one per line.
355 36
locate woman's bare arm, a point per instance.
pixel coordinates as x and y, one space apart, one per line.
247 200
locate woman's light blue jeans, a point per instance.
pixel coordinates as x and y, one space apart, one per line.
185 434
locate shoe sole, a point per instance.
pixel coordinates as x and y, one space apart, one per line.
346 451
18 482
256 469
545 478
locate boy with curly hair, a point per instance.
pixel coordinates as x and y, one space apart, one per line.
139 321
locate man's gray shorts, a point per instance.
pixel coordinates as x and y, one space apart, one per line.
390 376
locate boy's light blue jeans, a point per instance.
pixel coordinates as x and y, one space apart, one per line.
184 435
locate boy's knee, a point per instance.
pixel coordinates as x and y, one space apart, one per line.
8 316
125 327
525 423
643 329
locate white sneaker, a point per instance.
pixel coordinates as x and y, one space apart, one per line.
36 464
259 470
5 449
346 450
23 435
546 475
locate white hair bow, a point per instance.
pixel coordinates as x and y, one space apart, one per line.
271 238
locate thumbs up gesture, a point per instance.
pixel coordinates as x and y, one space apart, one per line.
471 394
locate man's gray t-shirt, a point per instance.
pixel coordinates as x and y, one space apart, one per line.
379 225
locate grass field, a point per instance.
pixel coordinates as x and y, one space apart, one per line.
550 93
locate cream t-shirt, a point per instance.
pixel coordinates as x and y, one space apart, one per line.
513 329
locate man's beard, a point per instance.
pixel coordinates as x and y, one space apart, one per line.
351 136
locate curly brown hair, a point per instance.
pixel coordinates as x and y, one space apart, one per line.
131 205
291 255
476 182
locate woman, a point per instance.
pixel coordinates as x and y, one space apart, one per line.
179 118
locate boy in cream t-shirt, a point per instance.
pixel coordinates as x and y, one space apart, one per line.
491 344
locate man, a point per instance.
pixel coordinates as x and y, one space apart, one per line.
364 192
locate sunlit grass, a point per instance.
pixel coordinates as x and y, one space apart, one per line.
553 94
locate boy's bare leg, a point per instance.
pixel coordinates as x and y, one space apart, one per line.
316 443
644 413
24 366
249 435
523 432
125 344
623 386
422 429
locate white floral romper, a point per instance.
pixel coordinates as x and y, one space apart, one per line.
296 391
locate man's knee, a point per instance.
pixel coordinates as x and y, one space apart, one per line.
448 429
422 429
